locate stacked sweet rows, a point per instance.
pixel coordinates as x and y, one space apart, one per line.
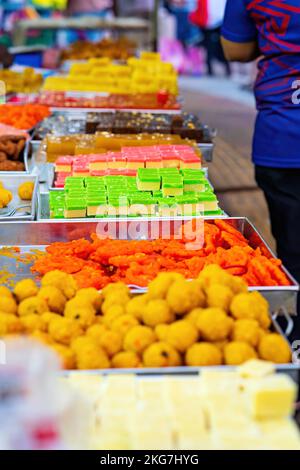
164 192
147 74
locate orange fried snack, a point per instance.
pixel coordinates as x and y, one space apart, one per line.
99 262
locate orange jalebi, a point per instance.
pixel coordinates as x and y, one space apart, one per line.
98 262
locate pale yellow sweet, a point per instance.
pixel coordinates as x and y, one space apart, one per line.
256 368
271 397
280 434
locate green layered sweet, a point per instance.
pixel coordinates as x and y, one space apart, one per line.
148 179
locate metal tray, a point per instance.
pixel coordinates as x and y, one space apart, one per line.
12 181
37 235
292 369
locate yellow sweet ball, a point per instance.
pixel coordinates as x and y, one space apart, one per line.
54 298
9 324
203 354
238 352
80 311
5 292
92 295
33 322
5 197
184 296
116 288
220 344
161 331
25 191
32 305
120 299
64 330
161 354
136 305
66 356
91 356
25 288
237 285
126 360
96 331
63 281
8 305
158 288
193 316
251 305
219 296
138 339
213 274
112 313
181 335
81 341
123 324
47 317
214 325
246 330
272 347
111 342
157 311
264 316
41 336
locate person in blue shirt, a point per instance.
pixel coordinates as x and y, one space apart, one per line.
270 30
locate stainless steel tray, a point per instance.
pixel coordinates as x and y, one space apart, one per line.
207 151
12 181
292 369
37 235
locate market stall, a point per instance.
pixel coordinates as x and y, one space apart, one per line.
116 255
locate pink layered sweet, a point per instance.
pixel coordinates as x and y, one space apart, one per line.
170 159
190 161
135 161
81 169
153 160
116 160
98 162
64 164
60 179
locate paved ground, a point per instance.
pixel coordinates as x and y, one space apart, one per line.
222 105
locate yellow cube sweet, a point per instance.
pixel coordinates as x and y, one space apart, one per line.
271 397
256 368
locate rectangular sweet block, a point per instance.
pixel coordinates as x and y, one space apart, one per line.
271 397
